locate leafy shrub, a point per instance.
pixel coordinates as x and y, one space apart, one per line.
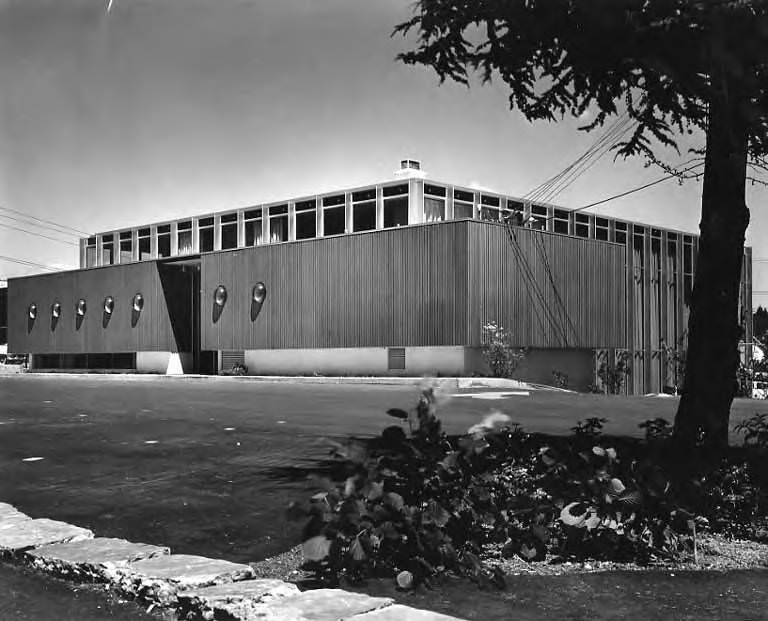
613 376
656 430
559 379
421 502
238 369
755 431
498 351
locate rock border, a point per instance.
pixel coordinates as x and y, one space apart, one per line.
193 588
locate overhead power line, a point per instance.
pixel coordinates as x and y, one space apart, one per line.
27 263
44 221
45 227
559 182
638 189
28 232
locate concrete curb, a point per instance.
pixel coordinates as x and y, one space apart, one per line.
452 383
190 587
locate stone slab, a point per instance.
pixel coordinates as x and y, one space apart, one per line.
94 559
10 522
317 605
397 612
30 533
236 600
7 511
159 579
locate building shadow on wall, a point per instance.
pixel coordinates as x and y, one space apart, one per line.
177 282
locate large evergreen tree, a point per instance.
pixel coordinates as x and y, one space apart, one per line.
675 66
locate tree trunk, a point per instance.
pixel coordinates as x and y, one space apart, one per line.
713 326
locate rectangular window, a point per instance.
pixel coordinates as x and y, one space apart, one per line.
489 214
184 237
538 219
306 219
395 212
163 241
363 195
229 231
107 249
461 210
434 190
253 227
206 234
601 229
490 201
90 252
333 201
581 225
434 209
687 256
462 204
278 224
364 210
145 244
334 222
126 246
621 232
395 190
560 223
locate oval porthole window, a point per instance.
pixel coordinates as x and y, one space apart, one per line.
109 304
32 311
138 302
80 308
220 295
259 293
56 310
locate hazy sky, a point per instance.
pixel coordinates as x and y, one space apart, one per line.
165 108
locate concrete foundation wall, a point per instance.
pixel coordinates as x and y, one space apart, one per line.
354 361
152 361
539 365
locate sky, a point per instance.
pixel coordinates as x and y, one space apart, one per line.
159 109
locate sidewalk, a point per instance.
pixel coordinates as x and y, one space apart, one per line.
450 383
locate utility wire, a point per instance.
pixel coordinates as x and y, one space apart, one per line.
637 189
27 263
28 232
570 178
533 288
45 227
613 133
44 221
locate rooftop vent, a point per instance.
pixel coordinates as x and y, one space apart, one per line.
410 168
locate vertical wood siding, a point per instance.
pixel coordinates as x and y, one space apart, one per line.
588 276
394 287
152 331
415 286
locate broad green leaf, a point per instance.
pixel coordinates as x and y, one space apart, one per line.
316 548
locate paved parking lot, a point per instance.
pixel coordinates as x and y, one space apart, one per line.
208 465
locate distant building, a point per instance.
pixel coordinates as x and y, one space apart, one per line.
395 278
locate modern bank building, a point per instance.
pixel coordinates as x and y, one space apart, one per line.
395 278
